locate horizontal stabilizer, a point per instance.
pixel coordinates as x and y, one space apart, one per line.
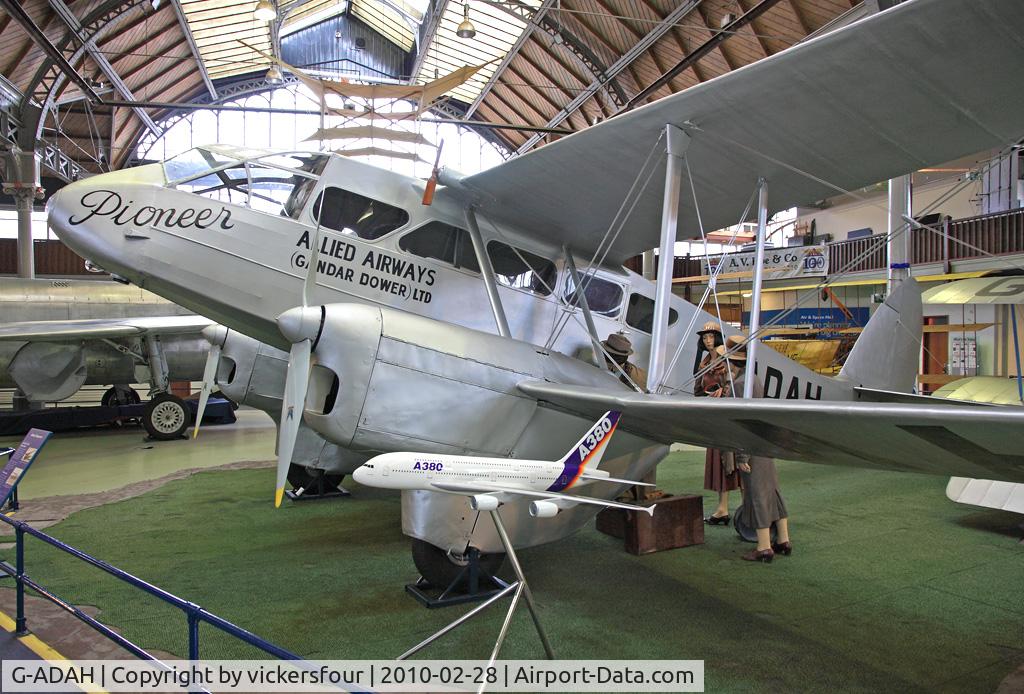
616 480
876 395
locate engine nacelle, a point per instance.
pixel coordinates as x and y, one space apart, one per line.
389 380
543 509
484 502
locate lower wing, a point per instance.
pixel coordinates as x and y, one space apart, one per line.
939 439
494 487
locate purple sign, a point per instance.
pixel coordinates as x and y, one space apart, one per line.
20 460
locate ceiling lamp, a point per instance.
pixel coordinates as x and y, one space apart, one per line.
274 75
466 30
265 11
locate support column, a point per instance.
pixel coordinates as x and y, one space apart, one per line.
755 290
23 185
677 142
23 199
900 206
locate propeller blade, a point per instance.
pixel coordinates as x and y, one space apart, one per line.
291 411
209 378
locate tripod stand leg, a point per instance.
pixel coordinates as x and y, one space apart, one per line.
531 606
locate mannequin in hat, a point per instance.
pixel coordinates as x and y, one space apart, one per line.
762 502
720 474
618 347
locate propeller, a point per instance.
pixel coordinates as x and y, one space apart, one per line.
300 326
428 192
215 335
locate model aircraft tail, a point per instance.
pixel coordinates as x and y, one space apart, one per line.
886 355
589 450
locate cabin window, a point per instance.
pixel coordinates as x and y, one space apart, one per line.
640 313
442 242
603 297
536 274
351 213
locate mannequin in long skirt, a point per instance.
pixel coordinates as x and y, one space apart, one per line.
763 504
720 473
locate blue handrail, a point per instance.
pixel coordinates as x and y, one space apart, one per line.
194 613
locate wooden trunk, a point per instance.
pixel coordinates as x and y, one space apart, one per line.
677 522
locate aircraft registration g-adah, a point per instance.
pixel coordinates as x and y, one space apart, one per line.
454 328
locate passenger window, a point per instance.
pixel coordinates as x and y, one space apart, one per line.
640 313
351 213
442 242
603 297
536 274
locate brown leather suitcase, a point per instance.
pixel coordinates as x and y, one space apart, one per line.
677 522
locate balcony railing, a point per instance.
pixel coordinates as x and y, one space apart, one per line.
999 233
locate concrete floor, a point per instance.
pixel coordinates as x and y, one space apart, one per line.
129 457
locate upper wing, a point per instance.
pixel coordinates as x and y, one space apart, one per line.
979 442
484 487
878 99
99 328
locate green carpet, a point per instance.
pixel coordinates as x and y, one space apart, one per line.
891 587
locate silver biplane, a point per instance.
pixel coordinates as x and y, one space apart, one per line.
471 326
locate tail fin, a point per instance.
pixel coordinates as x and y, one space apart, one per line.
588 450
887 353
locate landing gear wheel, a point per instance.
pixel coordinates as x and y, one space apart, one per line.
122 396
309 479
166 417
743 529
440 569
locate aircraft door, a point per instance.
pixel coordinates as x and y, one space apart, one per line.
385 469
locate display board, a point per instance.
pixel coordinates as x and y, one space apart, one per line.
20 461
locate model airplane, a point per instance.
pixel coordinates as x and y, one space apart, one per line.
452 329
488 482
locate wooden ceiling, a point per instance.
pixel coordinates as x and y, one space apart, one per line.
570 45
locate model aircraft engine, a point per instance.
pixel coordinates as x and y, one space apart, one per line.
484 502
544 509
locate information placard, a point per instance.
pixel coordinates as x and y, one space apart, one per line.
20 461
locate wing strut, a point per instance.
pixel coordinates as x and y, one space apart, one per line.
755 290
677 143
581 299
487 270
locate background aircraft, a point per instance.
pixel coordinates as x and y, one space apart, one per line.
392 334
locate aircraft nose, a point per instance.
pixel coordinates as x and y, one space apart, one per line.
360 474
67 215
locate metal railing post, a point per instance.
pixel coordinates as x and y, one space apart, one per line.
193 632
20 627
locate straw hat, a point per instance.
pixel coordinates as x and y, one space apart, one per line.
618 344
710 327
736 342
734 349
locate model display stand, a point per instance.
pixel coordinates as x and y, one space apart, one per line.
678 522
472 583
518 588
